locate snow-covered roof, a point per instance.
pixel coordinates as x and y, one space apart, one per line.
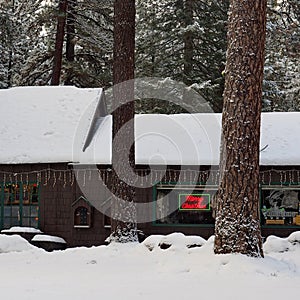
194 139
38 124
55 124
48 238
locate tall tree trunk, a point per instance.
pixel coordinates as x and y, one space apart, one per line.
123 156
188 42
237 227
11 47
70 43
60 32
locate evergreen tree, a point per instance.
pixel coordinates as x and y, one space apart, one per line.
183 40
20 30
91 36
28 33
282 67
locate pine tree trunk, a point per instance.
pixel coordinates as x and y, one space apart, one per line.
237 227
123 156
10 52
70 43
60 32
188 43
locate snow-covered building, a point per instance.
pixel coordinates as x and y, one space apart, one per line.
55 164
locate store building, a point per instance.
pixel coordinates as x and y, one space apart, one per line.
55 164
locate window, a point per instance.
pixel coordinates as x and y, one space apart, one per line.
184 204
81 217
82 212
280 206
19 205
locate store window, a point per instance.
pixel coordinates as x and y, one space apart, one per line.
184 204
280 206
19 205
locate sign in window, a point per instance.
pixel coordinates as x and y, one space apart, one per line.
194 202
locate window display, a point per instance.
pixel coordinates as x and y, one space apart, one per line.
280 206
194 205
20 205
184 205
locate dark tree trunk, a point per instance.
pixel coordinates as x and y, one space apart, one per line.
123 157
60 32
237 217
188 43
10 52
10 66
70 43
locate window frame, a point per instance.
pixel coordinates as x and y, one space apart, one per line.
78 203
88 217
21 204
182 187
274 186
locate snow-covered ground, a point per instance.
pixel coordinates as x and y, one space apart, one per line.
132 271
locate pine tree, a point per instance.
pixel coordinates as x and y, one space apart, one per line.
92 40
183 40
20 30
28 33
237 228
282 66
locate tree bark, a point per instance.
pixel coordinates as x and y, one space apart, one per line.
60 32
123 156
237 227
188 43
70 43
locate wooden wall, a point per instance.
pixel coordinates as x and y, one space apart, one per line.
59 191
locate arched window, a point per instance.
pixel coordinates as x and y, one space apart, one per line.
81 216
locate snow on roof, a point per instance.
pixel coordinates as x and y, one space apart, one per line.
48 238
54 124
194 139
38 124
17 229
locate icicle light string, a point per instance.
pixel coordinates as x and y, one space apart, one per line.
70 178
142 178
84 177
291 174
54 178
44 176
65 180
263 178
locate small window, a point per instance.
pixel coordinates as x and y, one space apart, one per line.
81 217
